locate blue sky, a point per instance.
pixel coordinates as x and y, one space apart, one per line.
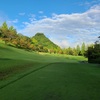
65 22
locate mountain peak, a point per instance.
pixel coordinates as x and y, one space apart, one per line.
44 41
39 34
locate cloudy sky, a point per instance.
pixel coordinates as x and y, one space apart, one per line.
65 22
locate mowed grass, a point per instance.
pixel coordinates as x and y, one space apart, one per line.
57 81
33 76
12 59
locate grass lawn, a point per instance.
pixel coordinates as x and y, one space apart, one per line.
32 76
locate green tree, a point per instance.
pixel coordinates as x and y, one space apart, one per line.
69 51
78 49
4 30
74 52
4 26
83 49
93 52
7 33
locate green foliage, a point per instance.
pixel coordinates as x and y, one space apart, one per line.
12 38
34 41
8 34
83 48
78 49
41 41
4 26
93 53
70 51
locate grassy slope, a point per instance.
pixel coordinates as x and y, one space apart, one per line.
56 81
13 59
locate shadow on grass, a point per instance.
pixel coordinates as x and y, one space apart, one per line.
24 76
4 59
37 69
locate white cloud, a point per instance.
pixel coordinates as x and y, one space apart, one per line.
67 29
63 43
15 21
87 3
11 22
32 17
4 18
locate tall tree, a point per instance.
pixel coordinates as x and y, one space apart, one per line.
83 49
93 52
74 52
4 26
69 51
78 49
4 30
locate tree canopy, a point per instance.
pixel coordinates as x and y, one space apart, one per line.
93 52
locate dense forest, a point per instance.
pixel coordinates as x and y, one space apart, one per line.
40 43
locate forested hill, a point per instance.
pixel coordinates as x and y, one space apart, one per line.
42 40
39 42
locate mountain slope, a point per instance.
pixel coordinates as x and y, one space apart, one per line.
41 39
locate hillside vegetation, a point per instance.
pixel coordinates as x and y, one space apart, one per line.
38 43
42 40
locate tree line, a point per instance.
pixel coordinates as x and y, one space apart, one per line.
36 43
12 38
40 43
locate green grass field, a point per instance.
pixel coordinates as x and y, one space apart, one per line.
32 76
